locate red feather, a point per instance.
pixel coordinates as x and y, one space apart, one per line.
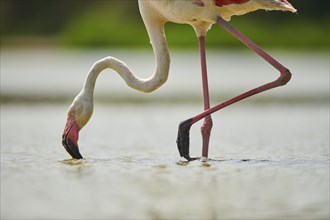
221 3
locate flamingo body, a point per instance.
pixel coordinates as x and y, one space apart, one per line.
201 14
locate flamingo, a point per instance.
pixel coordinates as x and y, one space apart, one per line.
201 15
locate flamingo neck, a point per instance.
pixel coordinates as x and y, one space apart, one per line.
158 78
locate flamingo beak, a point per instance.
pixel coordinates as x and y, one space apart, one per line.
70 138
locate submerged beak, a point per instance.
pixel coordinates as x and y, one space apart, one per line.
70 138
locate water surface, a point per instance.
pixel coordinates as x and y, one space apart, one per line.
261 165
269 160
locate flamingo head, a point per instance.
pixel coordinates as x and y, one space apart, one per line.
283 5
79 113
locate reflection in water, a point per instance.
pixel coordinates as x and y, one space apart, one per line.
72 162
210 162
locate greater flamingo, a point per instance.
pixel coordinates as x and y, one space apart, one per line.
201 15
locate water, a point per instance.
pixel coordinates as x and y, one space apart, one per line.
268 160
62 73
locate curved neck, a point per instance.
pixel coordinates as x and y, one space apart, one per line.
158 78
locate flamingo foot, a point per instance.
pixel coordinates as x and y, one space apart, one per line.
183 139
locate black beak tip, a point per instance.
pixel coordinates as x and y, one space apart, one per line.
71 148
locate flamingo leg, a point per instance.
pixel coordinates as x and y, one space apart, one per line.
285 76
207 124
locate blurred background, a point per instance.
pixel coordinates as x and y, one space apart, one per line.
117 23
71 35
